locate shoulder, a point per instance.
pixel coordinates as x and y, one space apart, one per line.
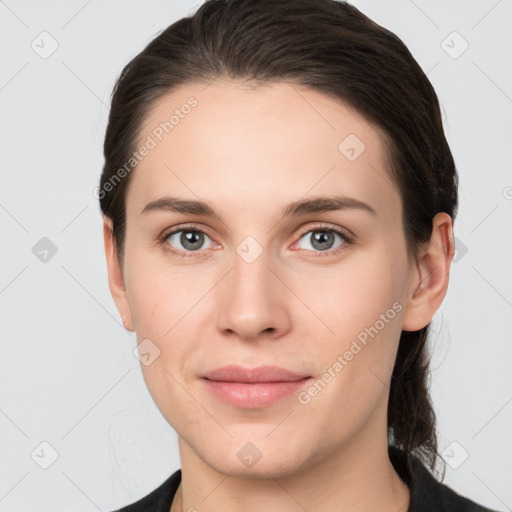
158 500
427 494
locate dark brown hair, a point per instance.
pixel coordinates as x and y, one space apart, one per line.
331 47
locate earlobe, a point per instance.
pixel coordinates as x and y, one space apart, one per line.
430 280
115 275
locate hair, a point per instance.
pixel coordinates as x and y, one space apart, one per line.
331 47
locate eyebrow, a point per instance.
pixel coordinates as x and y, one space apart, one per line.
301 207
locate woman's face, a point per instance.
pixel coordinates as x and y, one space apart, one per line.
256 276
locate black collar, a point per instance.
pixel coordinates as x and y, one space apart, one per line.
427 494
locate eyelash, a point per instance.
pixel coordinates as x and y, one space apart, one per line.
326 228
348 240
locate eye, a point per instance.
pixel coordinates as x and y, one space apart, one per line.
323 239
186 240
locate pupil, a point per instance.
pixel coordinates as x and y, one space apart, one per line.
191 240
322 240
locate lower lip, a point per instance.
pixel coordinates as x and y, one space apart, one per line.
255 395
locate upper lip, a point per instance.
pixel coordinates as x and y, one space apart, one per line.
234 373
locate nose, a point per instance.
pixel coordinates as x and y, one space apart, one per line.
252 302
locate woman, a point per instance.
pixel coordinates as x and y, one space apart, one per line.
279 197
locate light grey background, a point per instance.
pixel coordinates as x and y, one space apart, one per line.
69 377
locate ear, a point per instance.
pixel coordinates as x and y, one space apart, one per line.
115 275
429 281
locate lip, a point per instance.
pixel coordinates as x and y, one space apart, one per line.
235 373
252 388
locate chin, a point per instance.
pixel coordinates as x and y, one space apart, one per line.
257 459
260 470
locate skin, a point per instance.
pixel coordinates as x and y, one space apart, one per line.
248 152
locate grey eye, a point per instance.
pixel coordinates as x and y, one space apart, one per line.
321 240
190 240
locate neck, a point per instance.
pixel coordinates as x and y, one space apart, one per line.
354 477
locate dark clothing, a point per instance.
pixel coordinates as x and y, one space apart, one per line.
427 494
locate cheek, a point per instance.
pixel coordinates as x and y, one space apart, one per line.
167 305
360 310
160 295
161 310
364 350
346 300
355 380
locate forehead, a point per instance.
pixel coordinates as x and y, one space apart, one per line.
276 141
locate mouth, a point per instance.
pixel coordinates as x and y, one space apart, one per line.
253 388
